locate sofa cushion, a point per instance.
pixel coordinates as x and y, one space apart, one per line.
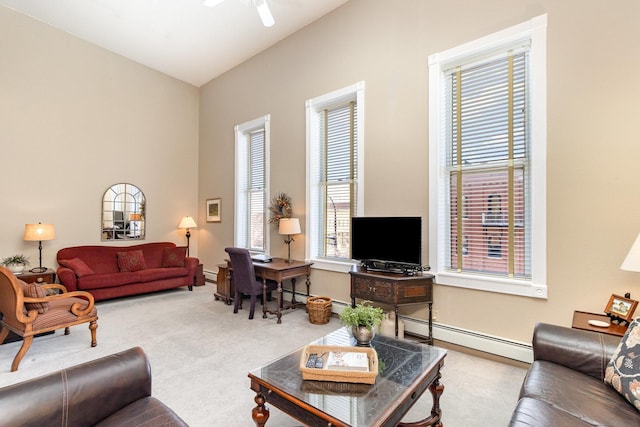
131 261
532 412
79 267
34 290
623 371
562 387
112 280
147 411
153 274
174 257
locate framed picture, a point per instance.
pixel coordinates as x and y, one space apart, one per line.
213 210
621 307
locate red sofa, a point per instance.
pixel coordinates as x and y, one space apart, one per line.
116 271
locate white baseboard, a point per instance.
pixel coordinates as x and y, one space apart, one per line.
464 337
211 276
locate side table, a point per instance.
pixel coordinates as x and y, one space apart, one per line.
581 321
49 276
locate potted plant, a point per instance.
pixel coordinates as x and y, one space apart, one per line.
16 263
362 319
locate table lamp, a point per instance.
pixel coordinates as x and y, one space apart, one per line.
39 232
289 226
187 222
632 261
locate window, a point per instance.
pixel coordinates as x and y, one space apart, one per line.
252 176
487 143
334 180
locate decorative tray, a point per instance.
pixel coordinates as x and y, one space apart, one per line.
339 375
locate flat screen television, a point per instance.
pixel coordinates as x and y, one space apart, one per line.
387 241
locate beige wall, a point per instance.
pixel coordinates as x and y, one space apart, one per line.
75 119
593 201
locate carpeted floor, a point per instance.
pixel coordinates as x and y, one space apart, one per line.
200 354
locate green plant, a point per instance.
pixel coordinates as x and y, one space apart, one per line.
15 259
362 314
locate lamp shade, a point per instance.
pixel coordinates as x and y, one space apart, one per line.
135 217
187 222
632 261
39 232
289 226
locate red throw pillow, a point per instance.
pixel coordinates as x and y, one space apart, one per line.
174 257
34 290
79 267
131 261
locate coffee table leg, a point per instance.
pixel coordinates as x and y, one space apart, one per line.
436 390
260 413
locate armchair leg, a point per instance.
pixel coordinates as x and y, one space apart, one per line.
92 327
67 331
3 334
26 343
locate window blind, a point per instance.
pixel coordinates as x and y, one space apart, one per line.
488 167
338 179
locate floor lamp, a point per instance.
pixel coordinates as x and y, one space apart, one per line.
187 222
39 232
289 226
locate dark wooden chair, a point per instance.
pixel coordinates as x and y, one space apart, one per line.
28 316
245 281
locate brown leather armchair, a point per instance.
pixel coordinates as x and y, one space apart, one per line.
28 311
111 391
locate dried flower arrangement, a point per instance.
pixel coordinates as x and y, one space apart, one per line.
280 208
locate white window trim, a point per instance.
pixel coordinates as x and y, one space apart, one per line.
241 132
313 106
535 31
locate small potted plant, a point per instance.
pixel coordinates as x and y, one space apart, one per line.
362 319
16 263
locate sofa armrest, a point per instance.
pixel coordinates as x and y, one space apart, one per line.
81 395
583 351
192 264
68 278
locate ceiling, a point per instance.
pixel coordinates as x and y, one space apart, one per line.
181 38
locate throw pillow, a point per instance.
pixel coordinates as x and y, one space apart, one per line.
623 370
34 290
174 257
131 261
79 267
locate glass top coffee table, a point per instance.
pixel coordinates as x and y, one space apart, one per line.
409 369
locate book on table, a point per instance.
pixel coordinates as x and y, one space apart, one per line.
347 361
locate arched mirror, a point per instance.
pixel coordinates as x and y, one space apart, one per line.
123 213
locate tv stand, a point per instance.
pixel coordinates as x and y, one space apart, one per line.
393 289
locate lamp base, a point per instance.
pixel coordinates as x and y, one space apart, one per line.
38 270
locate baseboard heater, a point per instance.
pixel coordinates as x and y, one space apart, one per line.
463 337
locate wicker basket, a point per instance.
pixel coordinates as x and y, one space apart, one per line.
319 309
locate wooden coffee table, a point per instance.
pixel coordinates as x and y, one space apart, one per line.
409 370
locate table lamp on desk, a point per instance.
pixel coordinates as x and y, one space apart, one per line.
288 227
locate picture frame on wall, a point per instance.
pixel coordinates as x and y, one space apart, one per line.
214 210
621 307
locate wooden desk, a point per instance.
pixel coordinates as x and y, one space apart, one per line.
394 289
581 321
277 270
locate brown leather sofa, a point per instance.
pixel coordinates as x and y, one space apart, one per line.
565 384
112 391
